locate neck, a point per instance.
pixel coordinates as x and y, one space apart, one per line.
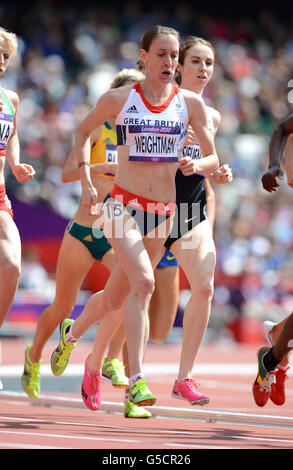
156 93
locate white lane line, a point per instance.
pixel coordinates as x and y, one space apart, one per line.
234 369
12 445
64 436
202 434
204 415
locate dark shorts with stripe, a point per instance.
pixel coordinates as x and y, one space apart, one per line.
146 213
187 216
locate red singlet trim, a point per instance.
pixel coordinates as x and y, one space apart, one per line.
153 108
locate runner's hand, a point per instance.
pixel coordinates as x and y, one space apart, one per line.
187 166
89 199
23 172
269 179
223 175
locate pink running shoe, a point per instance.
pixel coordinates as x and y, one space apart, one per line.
186 389
91 388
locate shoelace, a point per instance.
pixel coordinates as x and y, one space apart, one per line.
192 383
94 383
116 364
138 385
267 382
34 378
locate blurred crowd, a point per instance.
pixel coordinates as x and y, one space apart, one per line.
68 55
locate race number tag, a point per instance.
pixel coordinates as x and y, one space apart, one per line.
113 210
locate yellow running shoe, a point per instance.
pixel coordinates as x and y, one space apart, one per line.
61 355
30 378
140 394
114 370
133 411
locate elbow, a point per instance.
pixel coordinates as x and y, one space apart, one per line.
64 179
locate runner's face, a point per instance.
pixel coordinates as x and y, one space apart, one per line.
161 59
198 67
4 56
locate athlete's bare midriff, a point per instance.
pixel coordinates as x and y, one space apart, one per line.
155 181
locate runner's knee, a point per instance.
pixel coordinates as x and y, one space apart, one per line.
111 303
62 310
143 285
158 336
203 289
10 270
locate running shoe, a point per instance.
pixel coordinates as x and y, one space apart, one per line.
278 395
187 389
61 355
262 386
140 394
91 388
133 411
266 328
114 371
30 378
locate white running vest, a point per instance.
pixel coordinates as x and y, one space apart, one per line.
193 151
153 133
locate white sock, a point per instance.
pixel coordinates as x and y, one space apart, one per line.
69 336
135 378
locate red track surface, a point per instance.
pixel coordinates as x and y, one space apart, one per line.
23 426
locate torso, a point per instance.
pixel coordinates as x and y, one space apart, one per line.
149 140
189 188
6 129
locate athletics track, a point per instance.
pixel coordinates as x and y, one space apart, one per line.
59 420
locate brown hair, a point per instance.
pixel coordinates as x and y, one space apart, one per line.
187 44
150 35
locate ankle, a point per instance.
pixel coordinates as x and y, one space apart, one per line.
135 378
33 357
69 336
92 364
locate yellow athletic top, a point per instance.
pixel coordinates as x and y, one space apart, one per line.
105 149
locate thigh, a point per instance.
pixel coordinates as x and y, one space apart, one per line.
126 240
74 262
109 259
196 254
10 244
154 241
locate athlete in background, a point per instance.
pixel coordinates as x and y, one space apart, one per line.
280 154
10 243
191 238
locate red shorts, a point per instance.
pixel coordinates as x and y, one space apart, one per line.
147 213
5 204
